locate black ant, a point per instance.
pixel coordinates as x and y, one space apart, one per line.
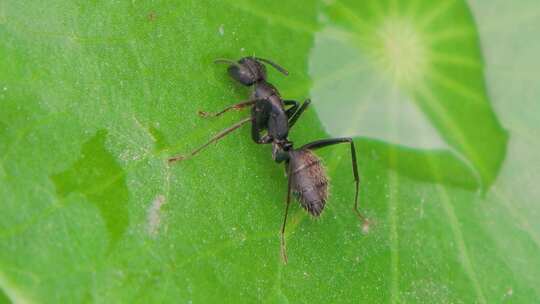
268 109
306 175
307 178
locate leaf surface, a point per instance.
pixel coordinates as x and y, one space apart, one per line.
440 97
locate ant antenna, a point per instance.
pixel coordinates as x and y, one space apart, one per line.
275 65
231 62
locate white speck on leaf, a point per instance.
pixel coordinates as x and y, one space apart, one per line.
365 227
154 217
221 30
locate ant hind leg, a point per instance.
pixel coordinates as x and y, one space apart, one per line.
333 141
283 247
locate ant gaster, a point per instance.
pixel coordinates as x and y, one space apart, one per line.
307 178
268 109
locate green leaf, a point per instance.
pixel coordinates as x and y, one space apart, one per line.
411 74
440 96
4 298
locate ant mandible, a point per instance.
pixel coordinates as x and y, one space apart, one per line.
268 109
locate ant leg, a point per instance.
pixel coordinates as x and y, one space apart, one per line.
256 130
296 115
237 106
333 141
283 248
290 111
260 113
212 140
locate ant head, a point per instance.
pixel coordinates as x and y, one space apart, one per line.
249 70
281 150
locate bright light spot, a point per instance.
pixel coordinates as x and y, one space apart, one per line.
402 50
221 30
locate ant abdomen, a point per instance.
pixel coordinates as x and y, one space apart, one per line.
308 181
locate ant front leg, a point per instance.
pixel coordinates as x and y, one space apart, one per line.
260 114
293 117
237 106
333 141
256 130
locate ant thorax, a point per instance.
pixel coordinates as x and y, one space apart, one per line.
264 90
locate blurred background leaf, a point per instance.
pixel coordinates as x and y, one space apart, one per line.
440 97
